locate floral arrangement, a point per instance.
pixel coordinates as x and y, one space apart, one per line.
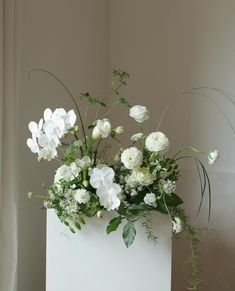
137 180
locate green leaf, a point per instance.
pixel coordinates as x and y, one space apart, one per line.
72 230
91 126
81 219
129 233
78 226
66 223
173 200
113 224
123 101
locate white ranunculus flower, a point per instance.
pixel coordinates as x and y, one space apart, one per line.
177 225
139 113
150 199
143 176
132 158
100 175
137 136
102 129
81 196
212 157
157 142
108 195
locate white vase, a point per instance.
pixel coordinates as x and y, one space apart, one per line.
90 260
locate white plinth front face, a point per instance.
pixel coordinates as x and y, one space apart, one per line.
90 260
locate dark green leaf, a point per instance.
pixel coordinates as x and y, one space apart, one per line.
81 219
66 223
113 224
91 126
123 101
129 233
72 230
78 226
173 200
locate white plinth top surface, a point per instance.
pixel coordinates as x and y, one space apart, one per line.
90 260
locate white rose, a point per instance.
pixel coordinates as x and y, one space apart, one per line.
212 157
132 158
157 142
102 129
139 113
81 196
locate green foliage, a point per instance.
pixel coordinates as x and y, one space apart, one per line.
129 233
113 224
123 101
121 76
93 100
147 224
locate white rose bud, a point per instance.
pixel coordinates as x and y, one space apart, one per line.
139 113
132 158
102 129
157 142
119 130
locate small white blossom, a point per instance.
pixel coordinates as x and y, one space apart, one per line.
157 142
67 173
119 130
169 186
85 162
137 136
102 129
212 157
47 204
150 199
139 113
176 225
132 158
82 196
133 192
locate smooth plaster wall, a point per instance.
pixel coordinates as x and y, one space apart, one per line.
169 47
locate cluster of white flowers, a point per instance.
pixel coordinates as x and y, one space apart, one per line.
169 186
47 133
150 199
102 179
177 225
82 196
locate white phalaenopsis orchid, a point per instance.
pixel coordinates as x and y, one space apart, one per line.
100 175
46 136
108 195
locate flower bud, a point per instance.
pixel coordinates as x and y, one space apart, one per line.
30 195
119 130
100 213
85 183
96 133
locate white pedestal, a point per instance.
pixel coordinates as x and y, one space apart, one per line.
90 260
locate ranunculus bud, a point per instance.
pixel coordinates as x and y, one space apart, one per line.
100 213
102 129
119 130
85 183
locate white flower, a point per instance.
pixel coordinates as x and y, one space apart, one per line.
169 186
108 195
33 145
140 176
102 129
119 130
133 193
132 158
139 113
212 157
81 196
67 173
177 225
150 199
85 162
157 142
137 136
100 175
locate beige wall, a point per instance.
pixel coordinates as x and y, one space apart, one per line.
169 47
68 38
